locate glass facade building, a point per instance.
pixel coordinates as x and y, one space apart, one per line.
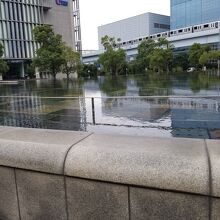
17 20
191 12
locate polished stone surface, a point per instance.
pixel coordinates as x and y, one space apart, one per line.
175 164
42 136
162 205
5 129
33 156
35 149
215 209
41 196
8 196
90 200
167 177
214 152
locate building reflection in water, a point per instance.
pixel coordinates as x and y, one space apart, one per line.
140 109
195 117
128 114
36 112
184 117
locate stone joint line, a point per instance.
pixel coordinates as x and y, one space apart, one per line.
64 165
210 179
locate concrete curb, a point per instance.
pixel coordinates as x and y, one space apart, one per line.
48 174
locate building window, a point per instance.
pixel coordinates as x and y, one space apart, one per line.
162 26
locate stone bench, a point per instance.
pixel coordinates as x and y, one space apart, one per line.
65 175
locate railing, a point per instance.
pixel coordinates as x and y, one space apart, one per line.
131 112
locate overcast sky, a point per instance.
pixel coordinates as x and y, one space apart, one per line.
99 12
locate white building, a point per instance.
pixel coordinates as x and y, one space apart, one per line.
182 39
135 27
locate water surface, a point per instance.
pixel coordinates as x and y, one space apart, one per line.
186 105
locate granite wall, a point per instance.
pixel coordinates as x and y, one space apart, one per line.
64 175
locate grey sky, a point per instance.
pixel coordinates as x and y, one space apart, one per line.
98 12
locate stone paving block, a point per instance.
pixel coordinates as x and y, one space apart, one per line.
214 152
148 204
41 196
216 209
91 200
8 196
165 163
36 149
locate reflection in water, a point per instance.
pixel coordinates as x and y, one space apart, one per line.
36 112
197 116
136 109
154 84
114 86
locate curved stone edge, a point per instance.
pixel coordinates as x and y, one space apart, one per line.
67 191
37 149
213 147
167 164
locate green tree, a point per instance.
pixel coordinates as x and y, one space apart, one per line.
72 61
181 60
215 55
3 65
160 59
162 56
88 70
113 59
208 56
164 43
30 71
204 58
145 49
156 60
50 56
156 55
195 52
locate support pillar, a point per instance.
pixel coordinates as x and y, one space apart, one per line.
22 71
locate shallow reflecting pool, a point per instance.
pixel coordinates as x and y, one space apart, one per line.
152 105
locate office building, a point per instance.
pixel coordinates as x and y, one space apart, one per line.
186 13
191 21
19 17
135 27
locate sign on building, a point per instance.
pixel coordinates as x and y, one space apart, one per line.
62 2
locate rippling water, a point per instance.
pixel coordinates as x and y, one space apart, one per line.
185 105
